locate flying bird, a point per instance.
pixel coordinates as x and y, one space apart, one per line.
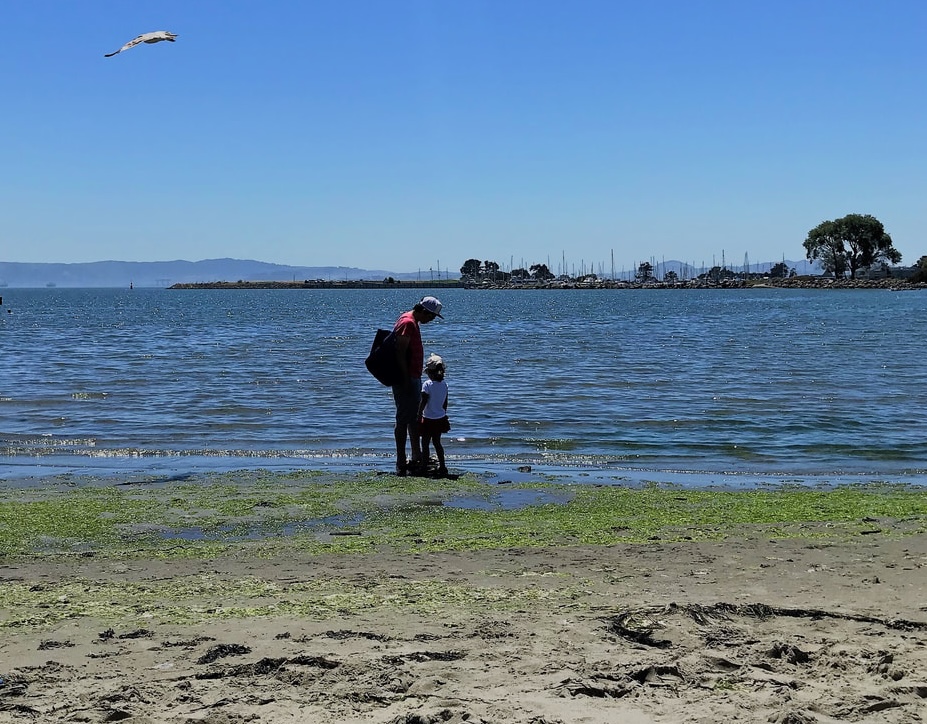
155 37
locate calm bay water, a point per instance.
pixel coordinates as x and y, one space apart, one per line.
641 384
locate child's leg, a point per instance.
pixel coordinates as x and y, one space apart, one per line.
426 439
439 449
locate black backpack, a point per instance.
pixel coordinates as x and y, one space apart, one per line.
381 362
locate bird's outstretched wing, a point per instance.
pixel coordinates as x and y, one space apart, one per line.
153 37
131 44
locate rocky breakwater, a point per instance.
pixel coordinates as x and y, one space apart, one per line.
888 283
806 282
321 284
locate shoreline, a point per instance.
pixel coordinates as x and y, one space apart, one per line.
31 470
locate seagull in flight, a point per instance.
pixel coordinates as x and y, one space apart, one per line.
155 37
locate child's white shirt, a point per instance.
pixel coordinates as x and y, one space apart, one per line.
437 394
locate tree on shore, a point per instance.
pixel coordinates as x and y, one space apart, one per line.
779 271
920 270
471 268
717 274
540 271
475 269
644 271
853 242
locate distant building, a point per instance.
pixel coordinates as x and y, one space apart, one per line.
883 271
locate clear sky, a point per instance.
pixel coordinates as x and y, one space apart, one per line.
416 134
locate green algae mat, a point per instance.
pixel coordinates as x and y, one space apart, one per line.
270 512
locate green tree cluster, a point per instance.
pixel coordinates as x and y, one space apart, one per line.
644 272
471 268
851 243
540 271
780 271
476 269
920 270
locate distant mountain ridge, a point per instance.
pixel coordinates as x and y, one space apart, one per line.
166 273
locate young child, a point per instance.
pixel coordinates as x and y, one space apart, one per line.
432 411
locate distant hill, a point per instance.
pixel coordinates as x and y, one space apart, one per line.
166 273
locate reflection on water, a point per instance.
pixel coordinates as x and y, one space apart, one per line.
508 500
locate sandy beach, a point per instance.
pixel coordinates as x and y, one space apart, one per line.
752 628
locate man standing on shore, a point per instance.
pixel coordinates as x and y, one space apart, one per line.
410 357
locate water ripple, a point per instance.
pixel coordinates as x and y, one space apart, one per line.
733 381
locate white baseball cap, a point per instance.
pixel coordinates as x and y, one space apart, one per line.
433 305
433 362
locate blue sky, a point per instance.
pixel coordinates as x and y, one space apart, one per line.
418 134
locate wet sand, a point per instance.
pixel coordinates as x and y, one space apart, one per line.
750 629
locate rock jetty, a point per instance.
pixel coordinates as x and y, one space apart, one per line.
805 282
